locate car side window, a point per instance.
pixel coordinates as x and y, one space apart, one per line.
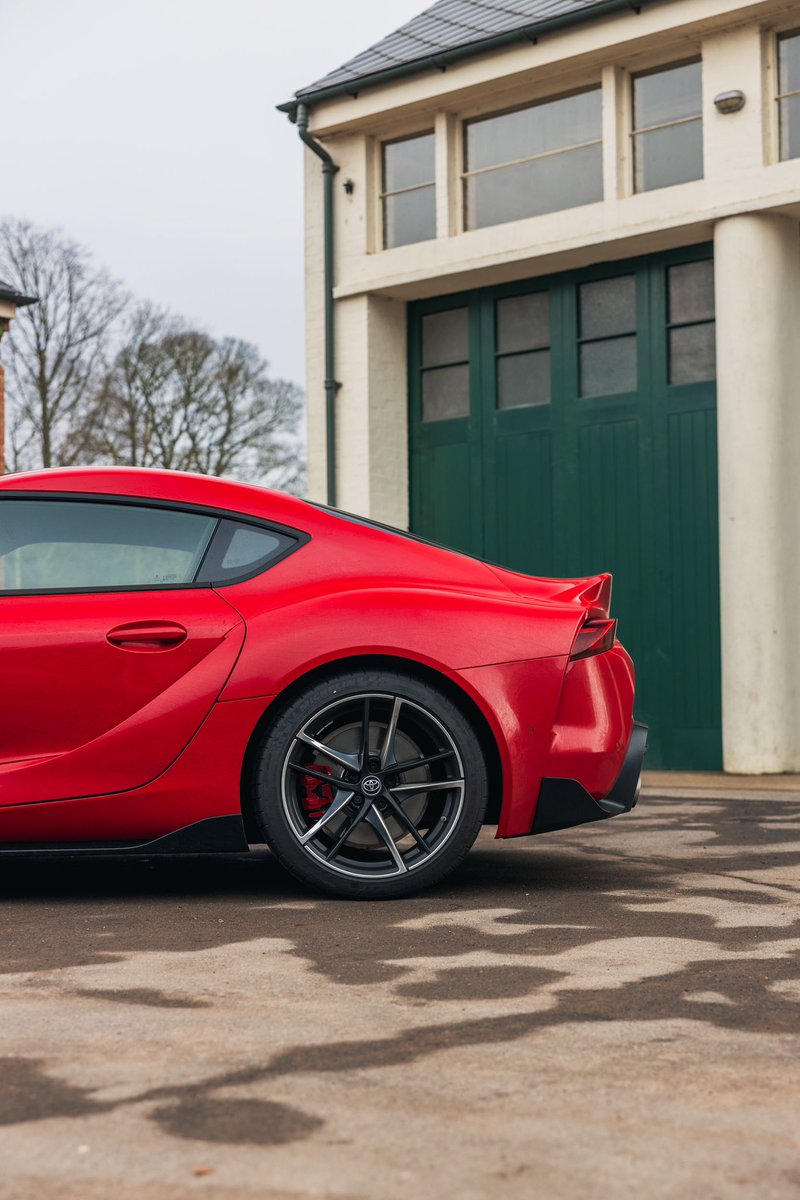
77 545
240 550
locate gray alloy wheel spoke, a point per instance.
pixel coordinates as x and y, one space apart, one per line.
364 759
411 763
375 819
348 761
339 801
404 819
349 828
438 785
387 749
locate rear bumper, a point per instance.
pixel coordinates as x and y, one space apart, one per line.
565 802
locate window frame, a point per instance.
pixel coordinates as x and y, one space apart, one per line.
385 193
464 174
660 68
299 539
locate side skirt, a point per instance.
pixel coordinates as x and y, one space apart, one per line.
214 835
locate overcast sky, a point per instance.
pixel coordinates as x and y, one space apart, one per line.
147 130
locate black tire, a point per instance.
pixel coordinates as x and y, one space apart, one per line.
351 756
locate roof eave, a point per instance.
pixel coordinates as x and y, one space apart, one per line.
11 296
445 58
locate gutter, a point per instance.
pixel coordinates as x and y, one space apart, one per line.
329 168
447 58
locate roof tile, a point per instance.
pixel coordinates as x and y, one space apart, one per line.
446 25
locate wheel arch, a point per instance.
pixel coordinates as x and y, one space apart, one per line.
456 694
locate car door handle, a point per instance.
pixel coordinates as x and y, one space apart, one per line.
147 635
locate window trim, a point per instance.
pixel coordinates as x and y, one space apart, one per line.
299 537
465 174
385 193
634 133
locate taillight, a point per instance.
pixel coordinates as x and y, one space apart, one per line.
594 637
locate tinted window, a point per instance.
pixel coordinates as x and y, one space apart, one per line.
240 550
534 160
409 190
789 94
668 127
53 545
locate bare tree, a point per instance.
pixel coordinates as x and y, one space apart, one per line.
175 397
58 347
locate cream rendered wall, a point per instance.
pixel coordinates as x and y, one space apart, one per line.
757 266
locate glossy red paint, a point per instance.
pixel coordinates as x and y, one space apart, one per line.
119 727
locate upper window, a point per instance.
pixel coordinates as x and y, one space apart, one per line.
789 94
409 190
54 545
667 126
534 160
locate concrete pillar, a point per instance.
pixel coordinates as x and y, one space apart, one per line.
372 428
757 268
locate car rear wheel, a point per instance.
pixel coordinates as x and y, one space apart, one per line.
371 784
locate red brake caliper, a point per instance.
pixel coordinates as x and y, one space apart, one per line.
317 795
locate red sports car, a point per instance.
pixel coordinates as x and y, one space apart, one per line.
194 665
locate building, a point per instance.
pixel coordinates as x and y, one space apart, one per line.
553 304
10 301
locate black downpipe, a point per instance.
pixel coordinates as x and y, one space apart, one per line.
329 169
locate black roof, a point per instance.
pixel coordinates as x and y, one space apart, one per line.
450 30
12 296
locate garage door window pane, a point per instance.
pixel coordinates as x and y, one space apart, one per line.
607 320
523 322
667 127
409 192
56 546
523 380
608 307
691 292
692 354
538 159
445 337
691 332
445 366
608 368
445 393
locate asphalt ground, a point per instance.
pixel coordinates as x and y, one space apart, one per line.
612 1011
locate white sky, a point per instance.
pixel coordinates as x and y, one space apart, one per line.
147 130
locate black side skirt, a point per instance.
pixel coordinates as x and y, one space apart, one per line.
565 802
213 835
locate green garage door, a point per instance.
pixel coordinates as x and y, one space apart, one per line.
567 426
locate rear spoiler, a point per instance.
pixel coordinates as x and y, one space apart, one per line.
595 593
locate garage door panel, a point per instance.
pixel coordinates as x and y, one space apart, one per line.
591 446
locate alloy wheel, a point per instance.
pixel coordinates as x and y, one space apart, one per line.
372 786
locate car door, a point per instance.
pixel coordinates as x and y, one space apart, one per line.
111 655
